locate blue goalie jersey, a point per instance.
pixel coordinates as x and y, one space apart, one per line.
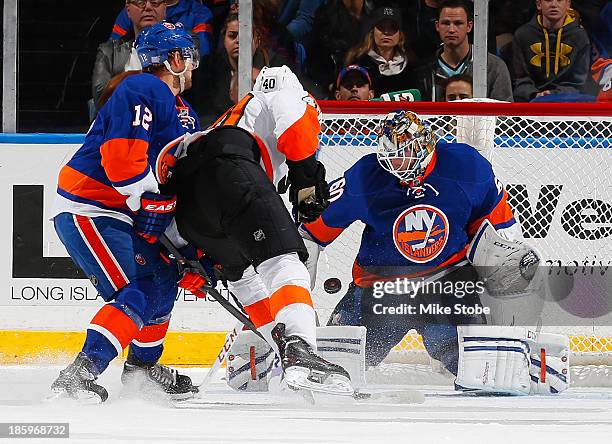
414 232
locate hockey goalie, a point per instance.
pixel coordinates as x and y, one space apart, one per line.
439 233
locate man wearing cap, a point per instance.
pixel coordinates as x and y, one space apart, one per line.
354 83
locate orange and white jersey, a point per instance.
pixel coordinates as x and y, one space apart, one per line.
285 123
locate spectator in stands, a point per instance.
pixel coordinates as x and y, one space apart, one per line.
458 87
383 52
506 17
117 56
455 56
297 16
337 27
354 83
420 26
590 14
274 36
233 89
602 75
551 53
191 14
219 10
215 98
601 34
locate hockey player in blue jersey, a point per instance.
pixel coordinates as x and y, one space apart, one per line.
421 202
109 213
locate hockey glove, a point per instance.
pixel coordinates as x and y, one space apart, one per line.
155 214
193 281
308 192
192 278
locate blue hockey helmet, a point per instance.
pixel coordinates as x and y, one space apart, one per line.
154 44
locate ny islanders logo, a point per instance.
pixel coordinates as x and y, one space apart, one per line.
420 233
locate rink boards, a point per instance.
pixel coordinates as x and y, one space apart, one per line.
45 304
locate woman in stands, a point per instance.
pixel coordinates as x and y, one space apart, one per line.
383 52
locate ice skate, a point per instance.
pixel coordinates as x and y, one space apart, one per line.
306 370
77 381
148 378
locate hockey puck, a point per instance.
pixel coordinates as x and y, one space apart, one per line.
332 285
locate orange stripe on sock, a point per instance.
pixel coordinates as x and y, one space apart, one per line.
120 325
259 312
152 333
287 295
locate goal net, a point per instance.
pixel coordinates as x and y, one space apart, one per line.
556 163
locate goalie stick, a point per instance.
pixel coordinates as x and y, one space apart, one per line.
207 288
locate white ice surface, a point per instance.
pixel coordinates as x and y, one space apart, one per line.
220 415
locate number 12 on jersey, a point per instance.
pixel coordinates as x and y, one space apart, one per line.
147 117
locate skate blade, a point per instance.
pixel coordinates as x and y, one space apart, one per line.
298 378
177 397
80 397
405 396
150 392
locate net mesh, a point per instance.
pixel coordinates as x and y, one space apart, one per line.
558 175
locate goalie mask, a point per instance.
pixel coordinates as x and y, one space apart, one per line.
405 145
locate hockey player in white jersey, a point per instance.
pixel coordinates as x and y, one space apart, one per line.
229 207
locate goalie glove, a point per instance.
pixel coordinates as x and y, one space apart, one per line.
155 214
507 267
308 192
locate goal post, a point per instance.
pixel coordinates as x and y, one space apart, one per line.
556 163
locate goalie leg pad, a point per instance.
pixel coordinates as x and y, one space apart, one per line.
549 366
345 346
493 359
249 363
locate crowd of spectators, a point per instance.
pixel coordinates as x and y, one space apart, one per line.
555 50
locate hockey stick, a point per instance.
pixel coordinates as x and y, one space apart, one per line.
207 288
227 345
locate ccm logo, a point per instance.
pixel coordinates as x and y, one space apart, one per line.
157 208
